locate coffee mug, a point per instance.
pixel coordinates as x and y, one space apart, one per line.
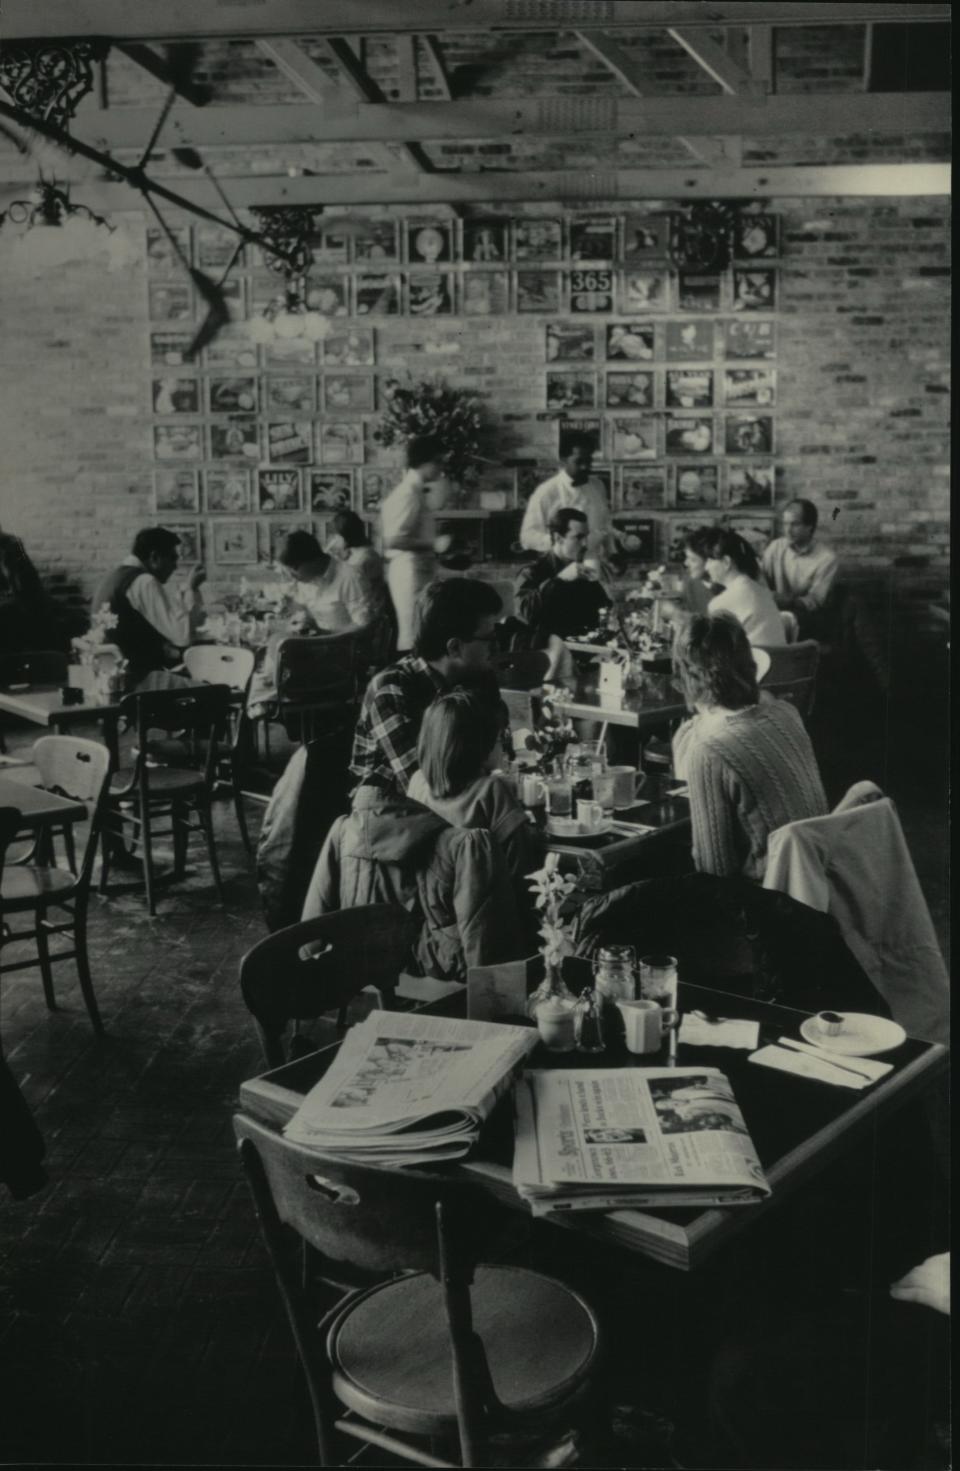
533 790
642 1024
624 786
589 814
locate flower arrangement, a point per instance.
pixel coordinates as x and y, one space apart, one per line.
551 889
102 622
550 739
430 406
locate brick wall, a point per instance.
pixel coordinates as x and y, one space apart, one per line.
863 406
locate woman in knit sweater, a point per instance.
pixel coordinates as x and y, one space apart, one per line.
746 756
732 562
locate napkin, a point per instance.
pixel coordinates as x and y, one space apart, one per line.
696 1031
681 791
820 1069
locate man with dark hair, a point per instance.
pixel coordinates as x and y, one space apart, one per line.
152 627
333 593
800 570
558 596
409 534
573 486
454 637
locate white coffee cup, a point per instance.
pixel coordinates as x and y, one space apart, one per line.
642 1024
624 786
589 814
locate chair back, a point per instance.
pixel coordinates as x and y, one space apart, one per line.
81 770
45 667
793 674
199 712
521 669
215 664
318 677
320 965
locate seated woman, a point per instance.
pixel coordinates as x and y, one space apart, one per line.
348 543
732 562
459 753
335 595
746 756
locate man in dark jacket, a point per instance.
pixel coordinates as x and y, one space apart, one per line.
152 626
558 595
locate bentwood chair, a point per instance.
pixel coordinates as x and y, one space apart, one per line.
78 769
141 796
793 674
214 664
317 681
320 965
445 1356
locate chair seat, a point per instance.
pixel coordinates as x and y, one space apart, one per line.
390 1350
165 782
25 887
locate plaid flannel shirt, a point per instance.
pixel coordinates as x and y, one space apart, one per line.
385 740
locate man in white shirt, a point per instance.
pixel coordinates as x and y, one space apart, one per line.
153 626
575 487
335 594
801 572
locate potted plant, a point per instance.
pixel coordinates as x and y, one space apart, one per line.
430 406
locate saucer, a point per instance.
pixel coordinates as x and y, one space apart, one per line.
572 827
860 1036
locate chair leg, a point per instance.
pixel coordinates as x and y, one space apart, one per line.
83 963
70 847
107 839
178 822
146 857
206 822
43 954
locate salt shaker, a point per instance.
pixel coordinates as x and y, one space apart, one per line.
589 1028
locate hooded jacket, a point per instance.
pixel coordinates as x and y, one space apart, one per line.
394 851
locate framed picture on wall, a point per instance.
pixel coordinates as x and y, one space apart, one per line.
340 442
226 490
754 290
486 242
644 238
289 441
169 349
749 485
350 348
538 291
331 247
234 438
749 434
637 537
375 486
177 442
569 389
232 395
632 437
644 291
690 434
234 543
640 489
330 490
190 550
430 242
675 532
162 256
604 475
170 301
757 386
755 236
593 238
376 243
175 395
273 534
278 490
591 427
695 486
348 391
291 394
537 239
328 294
591 290
630 390
749 339
485 293
689 388
630 342
376 296
216 246
696 293
569 342
690 342
758 530
429 294
175 490
290 352
231 348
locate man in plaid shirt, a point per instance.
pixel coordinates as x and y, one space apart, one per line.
455 634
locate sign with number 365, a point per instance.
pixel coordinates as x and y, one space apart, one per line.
591 291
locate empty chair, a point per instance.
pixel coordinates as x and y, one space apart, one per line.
793 674
317 681
77 769
451 1350
140 796
319 965
216 664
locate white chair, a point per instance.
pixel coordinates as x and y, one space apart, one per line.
218 664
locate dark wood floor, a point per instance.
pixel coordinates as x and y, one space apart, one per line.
138 1319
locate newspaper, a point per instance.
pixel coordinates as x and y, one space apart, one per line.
621 1137
408 1088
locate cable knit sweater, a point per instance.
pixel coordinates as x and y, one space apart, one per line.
749 773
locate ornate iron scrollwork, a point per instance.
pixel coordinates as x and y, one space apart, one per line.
286 235
701 237
49 79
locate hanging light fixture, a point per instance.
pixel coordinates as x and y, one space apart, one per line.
54 231
286 235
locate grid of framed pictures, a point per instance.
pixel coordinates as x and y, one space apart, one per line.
673 372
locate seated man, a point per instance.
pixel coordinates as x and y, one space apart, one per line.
453 638
801 571
573 487
152 628
336 595
558 596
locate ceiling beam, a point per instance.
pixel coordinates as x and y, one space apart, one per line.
716 62
358 78
181 20
441 75
343 119
552 188
148 59
761 55
300 69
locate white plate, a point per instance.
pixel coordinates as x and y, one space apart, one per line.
570 827
861 1035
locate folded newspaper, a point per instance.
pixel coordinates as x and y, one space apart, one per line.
622 1137
407 1089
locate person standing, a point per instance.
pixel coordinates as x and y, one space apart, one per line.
732 564
802 571
573 486
409 533
153 627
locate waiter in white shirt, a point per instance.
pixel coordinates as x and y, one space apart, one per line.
800 570
572 486
409 533
153 626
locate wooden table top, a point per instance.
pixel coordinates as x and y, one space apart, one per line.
798 1126
38 808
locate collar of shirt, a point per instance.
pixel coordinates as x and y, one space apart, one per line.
806 551
133 561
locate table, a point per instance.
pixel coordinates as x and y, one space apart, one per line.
599 861
797 1126
39 810
656 703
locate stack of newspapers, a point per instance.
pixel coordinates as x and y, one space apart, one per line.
620 1137
409 1089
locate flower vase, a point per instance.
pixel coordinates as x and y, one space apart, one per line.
554 1009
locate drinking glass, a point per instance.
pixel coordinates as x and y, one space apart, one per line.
604 791
624 786
559 796
659 981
